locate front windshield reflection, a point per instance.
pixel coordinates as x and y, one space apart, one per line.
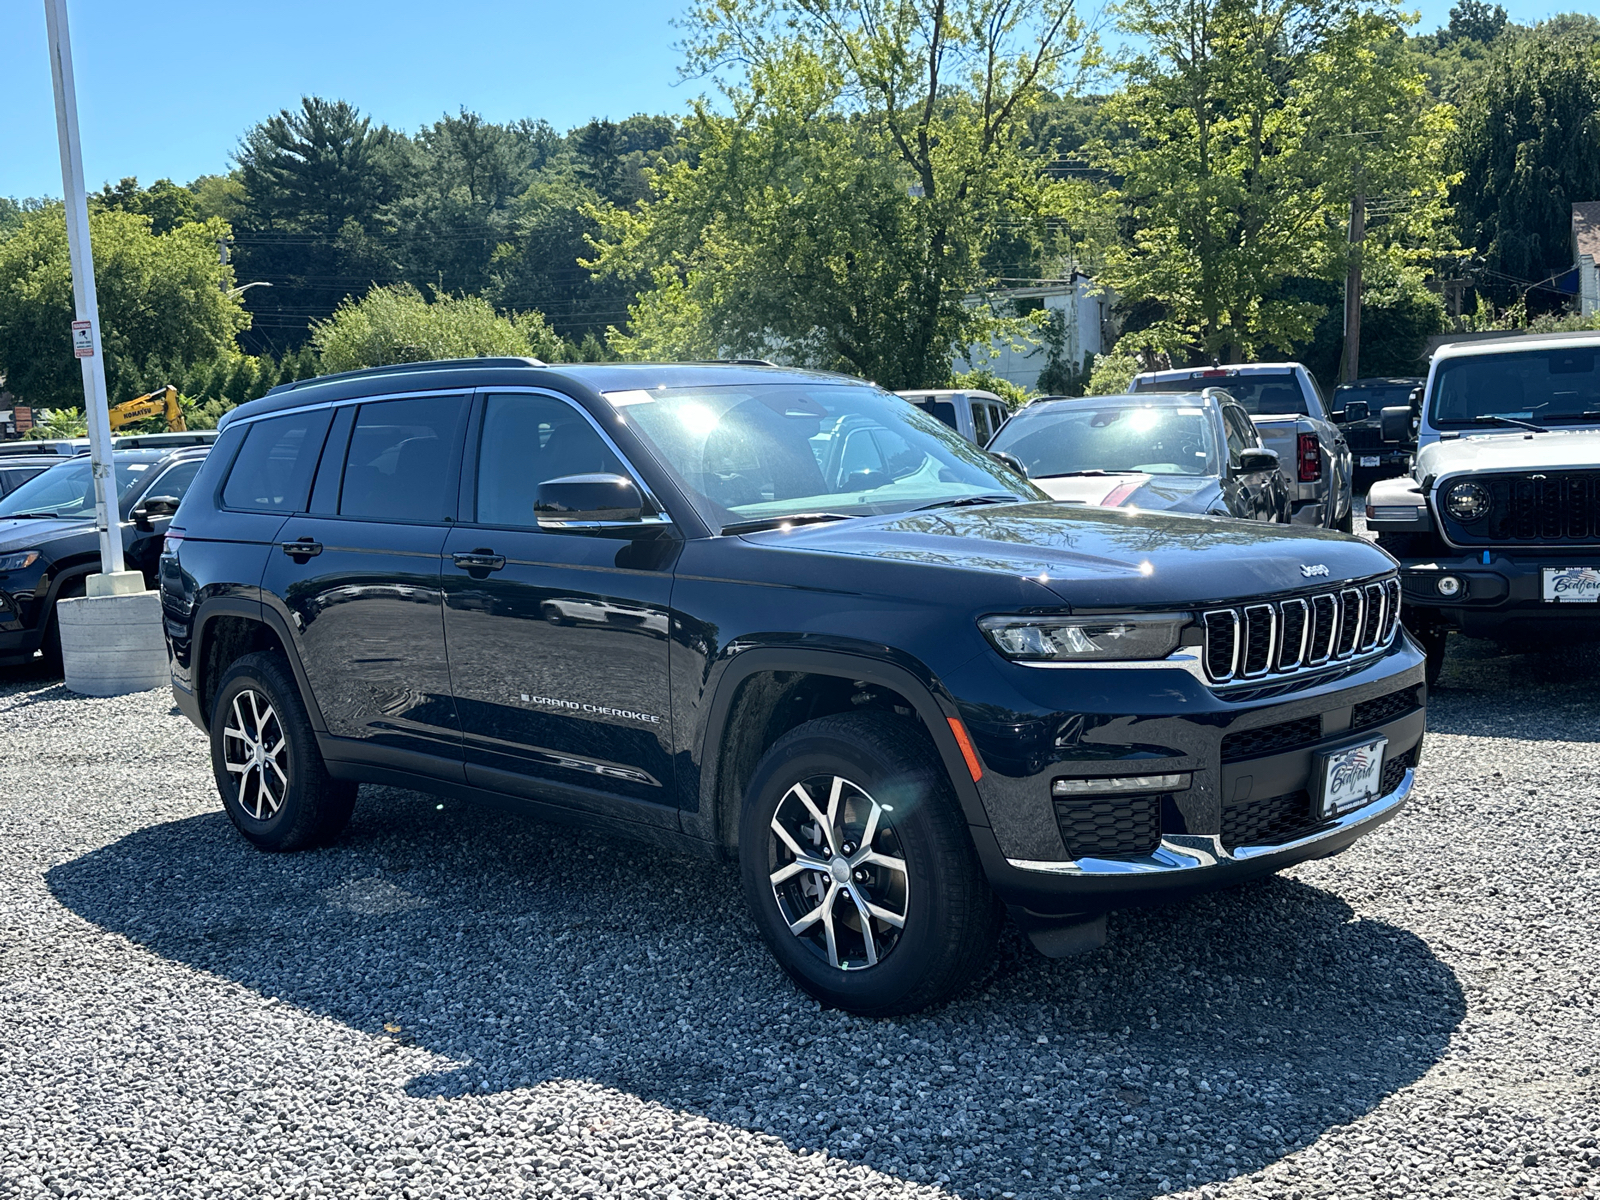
67 489
1061 439
749 453
1550 385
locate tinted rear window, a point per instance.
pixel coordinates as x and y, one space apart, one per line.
274 467
1274 394
398 467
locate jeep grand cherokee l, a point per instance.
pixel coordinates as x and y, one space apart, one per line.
788 617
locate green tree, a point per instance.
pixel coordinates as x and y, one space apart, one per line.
1253 126
167 204
315 181
163 304
398 325
1527 148
841 216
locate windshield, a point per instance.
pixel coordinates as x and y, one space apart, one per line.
751 452
1065 440
1541 386
67 489
1274 393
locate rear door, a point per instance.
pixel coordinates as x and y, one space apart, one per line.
558 639
358 579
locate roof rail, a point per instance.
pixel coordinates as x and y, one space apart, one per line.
436 364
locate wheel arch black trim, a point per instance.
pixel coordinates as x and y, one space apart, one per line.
923 695
263 614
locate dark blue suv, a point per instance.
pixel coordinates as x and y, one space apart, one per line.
788 617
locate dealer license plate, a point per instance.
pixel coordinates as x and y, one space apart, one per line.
1371 460
1572 585
1351 777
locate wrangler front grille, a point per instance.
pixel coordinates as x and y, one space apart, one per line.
1280 637
1538 507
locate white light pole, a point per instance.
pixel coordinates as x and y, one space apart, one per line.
86 329
111 639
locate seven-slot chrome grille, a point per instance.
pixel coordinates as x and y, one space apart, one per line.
1280 637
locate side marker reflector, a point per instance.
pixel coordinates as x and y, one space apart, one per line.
974 767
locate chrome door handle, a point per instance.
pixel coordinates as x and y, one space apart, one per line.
479 560
303 550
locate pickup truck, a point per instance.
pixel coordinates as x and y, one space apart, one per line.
975 415
1497 525
1287 407
1357 409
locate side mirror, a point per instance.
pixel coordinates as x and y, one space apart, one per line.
575 501
1396 423
1008 460
152 508
1415 399
1356 410
1253 460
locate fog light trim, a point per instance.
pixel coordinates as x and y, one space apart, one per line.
1122 785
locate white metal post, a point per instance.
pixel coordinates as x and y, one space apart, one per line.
107 518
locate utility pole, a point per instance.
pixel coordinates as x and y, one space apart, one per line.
112 639
1351 367
86 329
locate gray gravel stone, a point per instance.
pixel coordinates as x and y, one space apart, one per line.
453 1002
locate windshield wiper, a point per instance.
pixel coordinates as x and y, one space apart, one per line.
1091 471
963 501
775 522
1497 419
37 516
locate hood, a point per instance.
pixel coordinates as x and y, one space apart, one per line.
1094 557
1512 450
1152 493
29 533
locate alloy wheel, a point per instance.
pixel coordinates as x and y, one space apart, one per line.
838 872
256 753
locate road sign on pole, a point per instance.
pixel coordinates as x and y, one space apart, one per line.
86 329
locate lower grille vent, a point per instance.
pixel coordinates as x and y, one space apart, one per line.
1110 826
1384 708
1270 739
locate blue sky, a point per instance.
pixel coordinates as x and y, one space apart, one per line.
166 87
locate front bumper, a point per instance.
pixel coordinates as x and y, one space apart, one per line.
1249 764
1498 595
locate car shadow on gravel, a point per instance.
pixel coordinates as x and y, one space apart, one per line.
1529 692
1209 1038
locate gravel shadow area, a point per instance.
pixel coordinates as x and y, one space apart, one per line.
454 1002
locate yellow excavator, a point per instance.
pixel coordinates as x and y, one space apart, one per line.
161 402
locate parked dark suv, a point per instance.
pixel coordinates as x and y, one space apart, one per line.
49 545
785 616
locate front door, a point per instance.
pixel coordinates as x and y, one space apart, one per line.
558 639
360 577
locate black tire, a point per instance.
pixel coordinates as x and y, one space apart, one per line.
1347 523
1433 643
296 805
50 646
950 918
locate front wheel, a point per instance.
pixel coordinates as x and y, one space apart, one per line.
858 868
273 782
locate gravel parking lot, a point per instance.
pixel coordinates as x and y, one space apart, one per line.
454 1002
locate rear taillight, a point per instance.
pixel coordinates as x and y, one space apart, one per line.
1310 458
1214 373
171 542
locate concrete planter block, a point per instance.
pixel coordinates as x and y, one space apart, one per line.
112 645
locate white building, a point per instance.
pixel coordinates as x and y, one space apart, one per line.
1586 253
1085 310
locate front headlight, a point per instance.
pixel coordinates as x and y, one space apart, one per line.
21 560
1086 639
1468 502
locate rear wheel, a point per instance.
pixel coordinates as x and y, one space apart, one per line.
271 776
858 868
1347 523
